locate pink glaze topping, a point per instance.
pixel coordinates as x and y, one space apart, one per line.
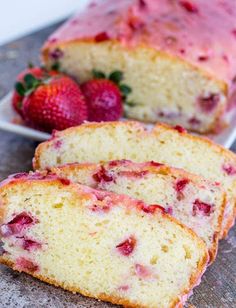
121 162
34 176
100 209
130 164
201 32
152 208
133 174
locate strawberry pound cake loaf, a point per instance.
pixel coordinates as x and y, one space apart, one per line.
177 56
100 244
195 202
100 142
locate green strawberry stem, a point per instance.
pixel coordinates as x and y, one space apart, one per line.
30 65
29 84
116 77
31 81
20 89
98 74
56 66
130 104
125 90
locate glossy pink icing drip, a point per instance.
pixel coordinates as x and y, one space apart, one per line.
205 36
33 176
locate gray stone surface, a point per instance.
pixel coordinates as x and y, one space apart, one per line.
218 287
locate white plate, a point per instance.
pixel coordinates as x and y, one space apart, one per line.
9 119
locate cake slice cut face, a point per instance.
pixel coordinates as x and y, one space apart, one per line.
100 142
177 56
195 202
99 244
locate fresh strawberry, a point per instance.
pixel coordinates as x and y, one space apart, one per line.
37 72
104 100
54 103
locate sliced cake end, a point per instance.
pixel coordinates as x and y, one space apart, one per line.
100 244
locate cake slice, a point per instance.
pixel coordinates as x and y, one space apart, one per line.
195 202
98 142
178 57
100 244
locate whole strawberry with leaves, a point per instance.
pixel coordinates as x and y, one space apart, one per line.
52 102
105 96
37 72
